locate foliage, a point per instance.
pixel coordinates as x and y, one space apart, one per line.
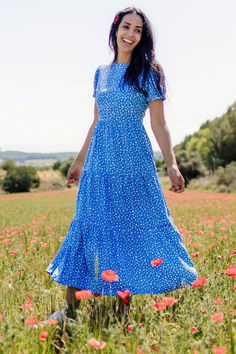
190 165
20 179
56 165
7 164
227 176
214 141
65 165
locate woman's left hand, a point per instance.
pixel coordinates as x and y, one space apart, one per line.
177 180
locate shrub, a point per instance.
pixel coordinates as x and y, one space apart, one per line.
65 165
56 165
7 164
227 176
20 179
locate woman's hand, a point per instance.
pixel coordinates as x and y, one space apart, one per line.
74 172
177 180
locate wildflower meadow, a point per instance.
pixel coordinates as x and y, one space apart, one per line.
197 319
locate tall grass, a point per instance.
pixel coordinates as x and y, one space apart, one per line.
32 228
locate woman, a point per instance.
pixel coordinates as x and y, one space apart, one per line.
122 222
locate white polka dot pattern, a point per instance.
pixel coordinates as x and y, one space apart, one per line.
122 221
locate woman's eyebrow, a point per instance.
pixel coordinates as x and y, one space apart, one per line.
129 24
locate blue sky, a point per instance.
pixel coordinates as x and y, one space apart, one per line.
51 49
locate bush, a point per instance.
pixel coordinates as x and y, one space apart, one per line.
7 164
20 179
65 165
227 176
56 165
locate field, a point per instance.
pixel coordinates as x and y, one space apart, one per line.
197 319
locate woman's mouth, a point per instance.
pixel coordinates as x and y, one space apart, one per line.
127 41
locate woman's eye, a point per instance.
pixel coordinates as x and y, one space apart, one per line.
128 27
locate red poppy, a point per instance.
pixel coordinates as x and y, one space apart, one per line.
169 300
160 306
230 271
199 282
123 294
219 350
31 321
194 330
96 294
195 255
217 316
156 262
43 335
109 275
26 306
96 343
218 301
234 287
83 294
52 322
234 251
232 311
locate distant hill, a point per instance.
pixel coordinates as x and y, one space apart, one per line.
44 159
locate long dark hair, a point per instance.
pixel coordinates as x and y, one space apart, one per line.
143 55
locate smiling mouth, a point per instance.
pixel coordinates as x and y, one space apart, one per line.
127 41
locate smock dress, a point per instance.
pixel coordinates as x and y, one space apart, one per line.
122 222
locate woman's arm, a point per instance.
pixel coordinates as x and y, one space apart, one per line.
163 138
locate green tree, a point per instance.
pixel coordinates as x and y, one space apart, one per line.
20 179
190 165
7 164
65 165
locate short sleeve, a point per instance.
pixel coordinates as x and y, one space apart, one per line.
151 87
95 81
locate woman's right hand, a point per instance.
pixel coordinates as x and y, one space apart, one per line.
74 172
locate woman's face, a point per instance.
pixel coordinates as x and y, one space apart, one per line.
129 32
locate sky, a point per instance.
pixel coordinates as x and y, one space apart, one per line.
50 50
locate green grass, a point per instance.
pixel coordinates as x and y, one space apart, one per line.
29 221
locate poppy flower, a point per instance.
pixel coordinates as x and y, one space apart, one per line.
139 351
13 253
234 287
195 254
159 306
234 251
169 300
203 310
96 294
156 262
52 322
194 330
123 294
96 343
199 282
26 306
232 311
43 335
109 275
83 294
218 301
230 271
217 316
219 350
31 321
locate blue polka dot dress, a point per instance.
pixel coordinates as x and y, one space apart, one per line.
121 221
